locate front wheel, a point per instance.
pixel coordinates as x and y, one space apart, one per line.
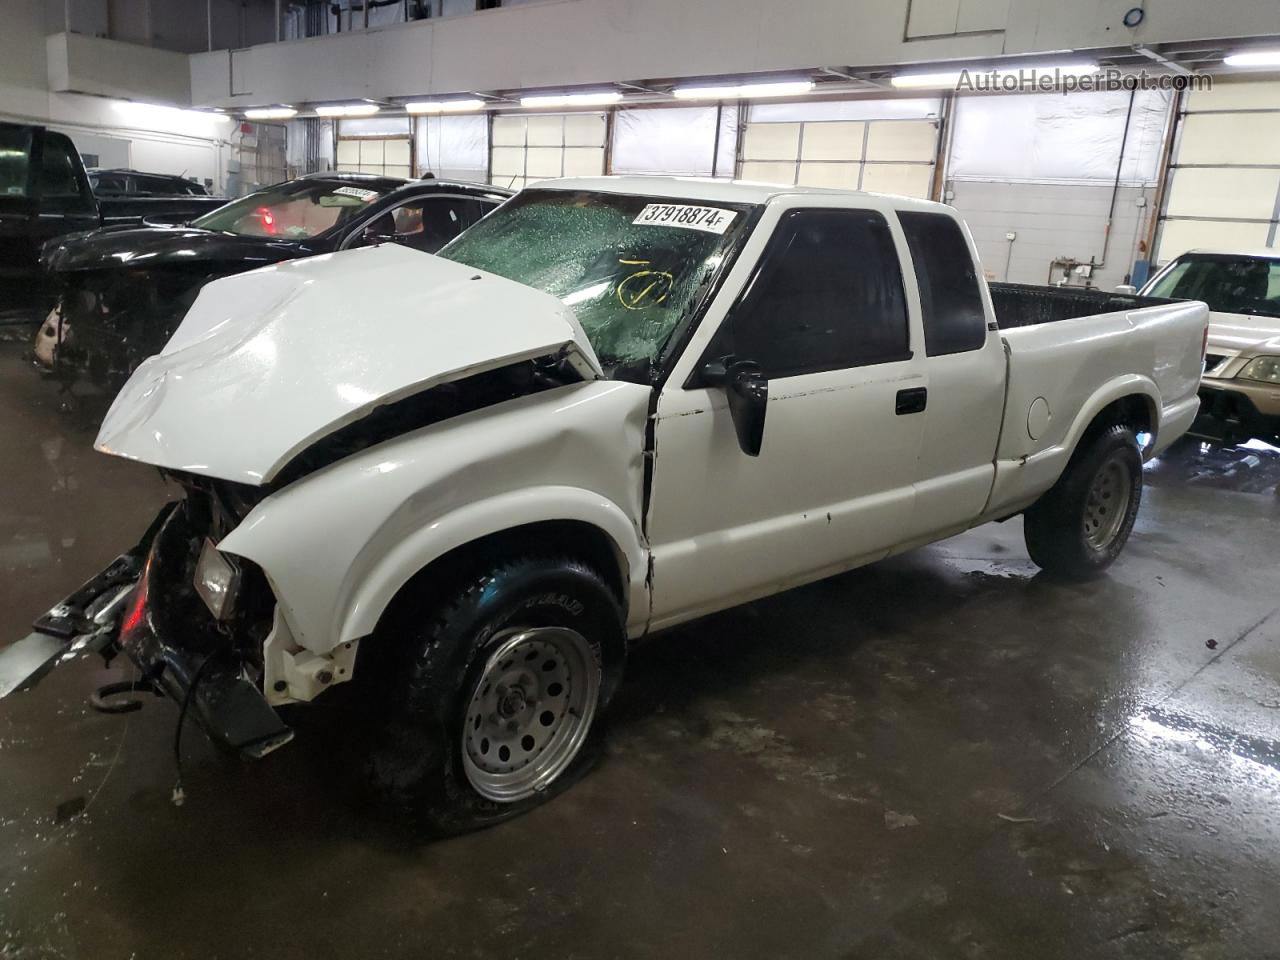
1079 527
494 702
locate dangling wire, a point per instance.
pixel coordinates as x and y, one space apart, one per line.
179 794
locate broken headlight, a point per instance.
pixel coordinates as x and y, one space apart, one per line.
217 581
1262 369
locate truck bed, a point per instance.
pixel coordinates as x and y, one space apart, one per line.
1060 375
1027 304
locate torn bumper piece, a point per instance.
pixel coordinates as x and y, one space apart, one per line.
128 607
85 622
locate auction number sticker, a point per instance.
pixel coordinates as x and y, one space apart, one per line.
707 219
365 195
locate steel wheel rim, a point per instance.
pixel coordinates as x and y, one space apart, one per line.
1107 504
529 713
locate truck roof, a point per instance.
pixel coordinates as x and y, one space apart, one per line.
707 189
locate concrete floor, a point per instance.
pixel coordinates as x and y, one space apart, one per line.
941 755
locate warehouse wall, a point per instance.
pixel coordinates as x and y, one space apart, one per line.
1070 177
596 41
120 133
1051 221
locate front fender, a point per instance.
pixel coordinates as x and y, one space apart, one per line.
337 544
421 546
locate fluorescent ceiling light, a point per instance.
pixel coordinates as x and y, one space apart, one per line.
945 79
744 91
1257 58
161 113
926 80
571 99
347 110
270 113
444 106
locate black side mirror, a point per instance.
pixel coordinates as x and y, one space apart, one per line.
748 391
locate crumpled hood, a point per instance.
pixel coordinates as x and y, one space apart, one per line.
133 247
268 362
1233 333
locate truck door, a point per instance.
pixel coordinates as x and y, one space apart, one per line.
824 314
964 364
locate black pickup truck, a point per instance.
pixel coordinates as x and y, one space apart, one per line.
45 193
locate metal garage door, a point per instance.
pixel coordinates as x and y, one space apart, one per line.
886 156
390 156
1224 189
530 148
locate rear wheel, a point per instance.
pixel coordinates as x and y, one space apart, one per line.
495 704
1079 527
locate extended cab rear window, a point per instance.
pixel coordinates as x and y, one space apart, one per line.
950 300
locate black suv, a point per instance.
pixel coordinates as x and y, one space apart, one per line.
134 183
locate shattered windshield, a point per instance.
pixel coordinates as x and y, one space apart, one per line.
632 268
1227 283
295 210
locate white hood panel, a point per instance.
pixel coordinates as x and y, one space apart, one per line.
1233 333
267 362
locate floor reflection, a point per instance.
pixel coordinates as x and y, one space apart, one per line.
1252 467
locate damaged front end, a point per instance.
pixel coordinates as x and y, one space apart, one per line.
106 322
195 633
273 379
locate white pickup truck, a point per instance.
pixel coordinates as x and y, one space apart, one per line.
470 480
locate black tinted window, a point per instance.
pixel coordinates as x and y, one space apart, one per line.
427 223
58 173
828 295
60 183
948 281
109 184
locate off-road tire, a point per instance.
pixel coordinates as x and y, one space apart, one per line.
1057 528
416 765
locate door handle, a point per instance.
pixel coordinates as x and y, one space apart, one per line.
911 400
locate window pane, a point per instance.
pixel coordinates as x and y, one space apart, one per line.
784 173
583 161
428 224
60 179
584 130
508 131
829 295
950 301
904 180
833 141
15 155
58 173
1227 283
771 141
841 175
